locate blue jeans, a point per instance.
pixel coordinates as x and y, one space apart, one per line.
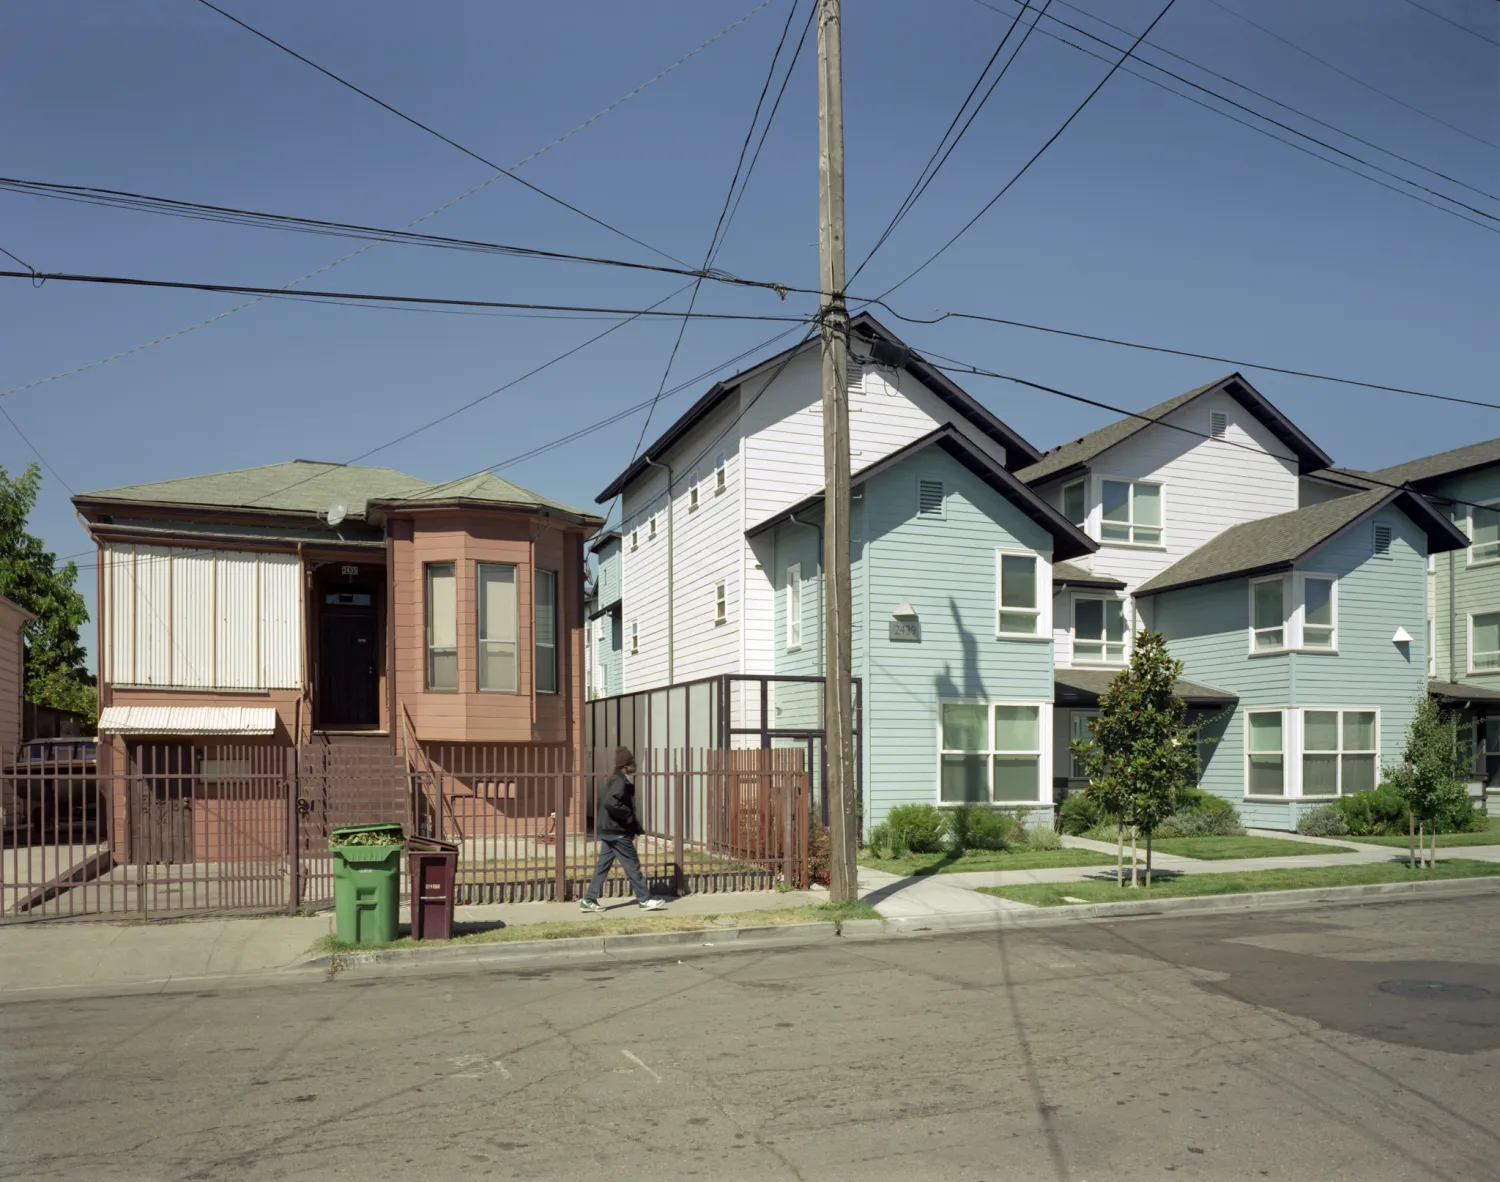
618 847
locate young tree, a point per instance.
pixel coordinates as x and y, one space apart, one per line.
1433 767
56 674
1143 750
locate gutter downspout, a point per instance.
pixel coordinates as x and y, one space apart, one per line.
671 590
792 517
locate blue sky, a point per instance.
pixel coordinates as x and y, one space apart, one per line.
1150 219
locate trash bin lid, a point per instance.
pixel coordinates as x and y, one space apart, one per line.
383 827
431 845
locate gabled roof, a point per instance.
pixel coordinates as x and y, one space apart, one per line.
863 325
1445 463
1278 543
485 489
1065 574
1070 457
1084 687
1069 540
602 539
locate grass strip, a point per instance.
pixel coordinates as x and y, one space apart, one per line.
916 865
1063 894
1489 835
1218 848
564 929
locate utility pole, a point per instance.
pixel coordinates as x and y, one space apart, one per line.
838 699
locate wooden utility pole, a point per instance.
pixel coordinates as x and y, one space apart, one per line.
838 698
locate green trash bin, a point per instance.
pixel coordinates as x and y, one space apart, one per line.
366 883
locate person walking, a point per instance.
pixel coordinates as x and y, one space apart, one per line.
617 827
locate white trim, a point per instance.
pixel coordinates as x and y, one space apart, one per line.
1297 634
1469 559
635 638
1102 597
1302 712
1074 773
1132 525
721 474
1285 626
1294 747
792 595
1043 609
1044 738
1062 501
1469 647
692 491
1286 761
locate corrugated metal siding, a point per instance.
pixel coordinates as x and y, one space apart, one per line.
238 657
192 576
188 720
280 621
119 612
153 615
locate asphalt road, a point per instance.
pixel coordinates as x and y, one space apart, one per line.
1349 1042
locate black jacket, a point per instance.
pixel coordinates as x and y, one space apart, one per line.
616 815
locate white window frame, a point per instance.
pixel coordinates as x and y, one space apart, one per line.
1295 786
1468 529
482 638
692 492
721 474
635 638
1075 772
1286 616
542 644
794 607
1473 668
1083 495
449 568
1043 609
1103 643
1043 752
1287 747
1297 635
1132 525
651 525
721 603
635 533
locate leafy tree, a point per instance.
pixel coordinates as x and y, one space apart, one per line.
56 674
1433 767
1143 751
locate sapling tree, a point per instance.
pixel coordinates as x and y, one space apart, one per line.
1143 751
1432 768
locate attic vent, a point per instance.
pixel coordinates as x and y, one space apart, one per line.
930 498
855 375
1218 424
1382 541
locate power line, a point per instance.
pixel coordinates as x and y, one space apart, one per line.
1083 336
16 259
1035 156
16 427
433 132
1454 23
1352 78
567 135
1276 123
127 281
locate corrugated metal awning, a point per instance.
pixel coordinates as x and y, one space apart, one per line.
187 720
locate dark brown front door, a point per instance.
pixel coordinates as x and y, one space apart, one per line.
164 804
348 676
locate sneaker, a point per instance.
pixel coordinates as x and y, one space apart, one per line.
654 905
589 905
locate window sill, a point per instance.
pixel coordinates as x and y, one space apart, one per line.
1088 664
794 648
1028 638
1292 800
1482 562
1281 652
1158 547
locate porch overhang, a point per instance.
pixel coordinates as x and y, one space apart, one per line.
187 720
1456 693
1084 687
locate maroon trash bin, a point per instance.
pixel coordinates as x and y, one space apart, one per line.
434 870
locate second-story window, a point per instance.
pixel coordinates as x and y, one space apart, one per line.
1132 512
1099 632
794 607
1268 614
693 491
1075 503
721 474
635 534
442 626
544 613
1019 609
1484 533
1319 612
498 671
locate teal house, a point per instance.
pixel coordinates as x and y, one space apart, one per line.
1315 621
951 559
604 656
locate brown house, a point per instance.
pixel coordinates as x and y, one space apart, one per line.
356 608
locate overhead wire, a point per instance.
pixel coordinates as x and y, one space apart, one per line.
1456 24
592 119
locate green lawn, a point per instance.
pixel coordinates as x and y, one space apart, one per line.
1217 848
1052 894
919 864
1490 835
608 926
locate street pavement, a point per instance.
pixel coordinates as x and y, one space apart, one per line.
1358 1042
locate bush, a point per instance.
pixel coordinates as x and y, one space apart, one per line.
1079 814
1371 814
1327 820
1196 802
980 829
878 842
1211 822
820 855
1456 812
1042 837
915 828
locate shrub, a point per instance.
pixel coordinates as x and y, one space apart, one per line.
1042 837
916 828
979 829
1079 814
1327 820
1211 822
1456 812
878 842
1196 802
1370 814
820 855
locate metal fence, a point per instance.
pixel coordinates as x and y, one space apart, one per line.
198 828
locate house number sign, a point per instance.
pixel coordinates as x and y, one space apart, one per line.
350 570
907 630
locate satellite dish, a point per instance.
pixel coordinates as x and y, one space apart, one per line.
337 512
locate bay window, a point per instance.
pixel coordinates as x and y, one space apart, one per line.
1319 611
1132 512
1099 631
442 626
1265 753
544 615
1484 533
1019 595
1339 752
1268 614
990 753
1294 612
496 609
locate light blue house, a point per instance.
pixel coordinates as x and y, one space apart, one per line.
951 560
1315 620
605 674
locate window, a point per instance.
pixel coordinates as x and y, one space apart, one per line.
990 753
442 626
1487 750
1265 753
1319 612
721 604
1019 604
635 534
794 607
498 670
692 492
1099 632
1074 503
721 476
544 615
651 525
1267 614
1132 513
1218 424
1382 540
1338 752
1484 641
1431 647
930 498
1080 733
1484 533
635 637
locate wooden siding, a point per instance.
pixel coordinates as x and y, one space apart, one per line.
1474 589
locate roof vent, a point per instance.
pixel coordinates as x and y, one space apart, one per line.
1382 541
1218 424
930 498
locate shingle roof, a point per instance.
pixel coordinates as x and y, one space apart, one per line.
1083 687
1065 574
487 488
1273 543
1453 692
1068 456
1445 463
